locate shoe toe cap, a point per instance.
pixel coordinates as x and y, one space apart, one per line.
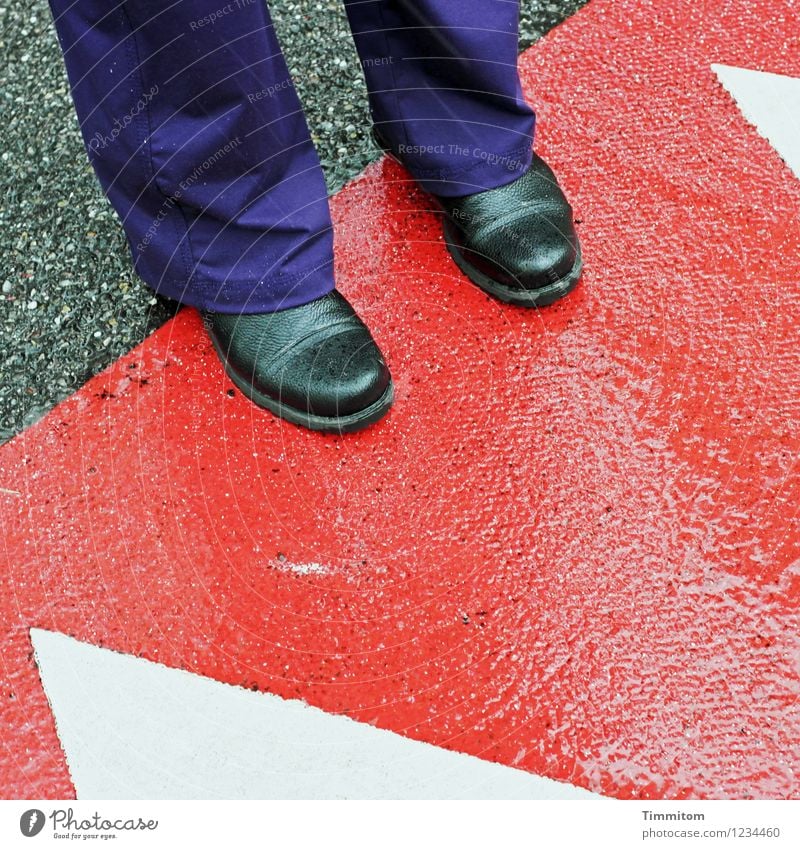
342 375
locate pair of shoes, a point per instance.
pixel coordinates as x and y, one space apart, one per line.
317 365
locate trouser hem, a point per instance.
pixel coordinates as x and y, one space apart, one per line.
248 297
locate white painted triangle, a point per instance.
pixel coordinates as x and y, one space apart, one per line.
772 103
135 729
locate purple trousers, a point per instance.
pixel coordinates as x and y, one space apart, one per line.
194 129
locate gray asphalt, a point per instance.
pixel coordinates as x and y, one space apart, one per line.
69 301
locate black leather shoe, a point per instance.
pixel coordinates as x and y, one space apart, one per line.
516 242
314 365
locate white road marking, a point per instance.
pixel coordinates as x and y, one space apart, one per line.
772 103
135 729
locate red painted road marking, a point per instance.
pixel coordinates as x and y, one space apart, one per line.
572 547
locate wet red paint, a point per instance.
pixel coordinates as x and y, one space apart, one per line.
573 545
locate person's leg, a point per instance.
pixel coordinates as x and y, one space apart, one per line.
446 100
199 141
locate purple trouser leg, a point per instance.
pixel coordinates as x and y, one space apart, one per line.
200 143
197 136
